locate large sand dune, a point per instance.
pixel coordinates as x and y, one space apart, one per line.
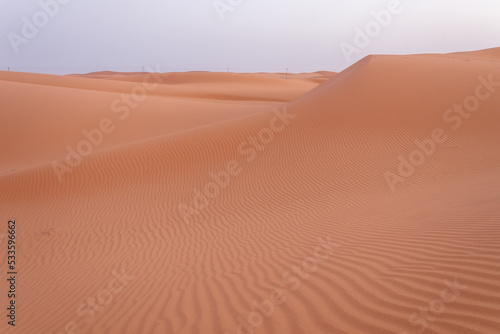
362 202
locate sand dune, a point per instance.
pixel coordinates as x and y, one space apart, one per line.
65 106
261 205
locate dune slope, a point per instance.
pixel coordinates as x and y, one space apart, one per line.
368 204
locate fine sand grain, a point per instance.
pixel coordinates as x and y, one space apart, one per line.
207 200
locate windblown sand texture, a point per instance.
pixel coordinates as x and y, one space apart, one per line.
323 175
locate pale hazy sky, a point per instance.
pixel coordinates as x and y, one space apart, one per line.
245 36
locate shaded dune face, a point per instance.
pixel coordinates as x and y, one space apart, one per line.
361 202
62 111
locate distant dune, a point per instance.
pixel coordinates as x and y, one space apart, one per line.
361 202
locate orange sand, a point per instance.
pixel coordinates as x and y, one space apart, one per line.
202 263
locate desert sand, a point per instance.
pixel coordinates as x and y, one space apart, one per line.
366 201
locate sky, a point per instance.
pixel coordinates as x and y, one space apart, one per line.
81 36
